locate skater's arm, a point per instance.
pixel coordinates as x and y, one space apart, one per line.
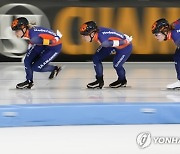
44 39
113 43
48 39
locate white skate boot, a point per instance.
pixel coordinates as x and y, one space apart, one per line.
175 85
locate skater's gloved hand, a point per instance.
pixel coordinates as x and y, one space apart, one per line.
128 38
107 43
59 34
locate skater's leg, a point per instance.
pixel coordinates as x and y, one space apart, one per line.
120 58
31 55
177 68
97 60
42 64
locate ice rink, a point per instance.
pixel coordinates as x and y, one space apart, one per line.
146 84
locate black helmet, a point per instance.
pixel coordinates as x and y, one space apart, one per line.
160 26
19 23
88 27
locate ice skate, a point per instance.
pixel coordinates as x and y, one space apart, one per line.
98 84
55 72
25 85
175 85
118 83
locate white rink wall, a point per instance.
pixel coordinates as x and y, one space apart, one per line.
116 139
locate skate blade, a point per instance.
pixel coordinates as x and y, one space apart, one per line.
121 87
94 87
25 88
61 68
177 88
118 87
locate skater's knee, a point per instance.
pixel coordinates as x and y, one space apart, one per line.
176 57
36 68
116 66
95 59
177 63
26 62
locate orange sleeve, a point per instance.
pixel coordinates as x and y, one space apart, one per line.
46 36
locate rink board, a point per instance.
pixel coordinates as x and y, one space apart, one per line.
89 114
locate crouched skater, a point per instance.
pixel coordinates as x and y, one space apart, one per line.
44 46
110 42
164 31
